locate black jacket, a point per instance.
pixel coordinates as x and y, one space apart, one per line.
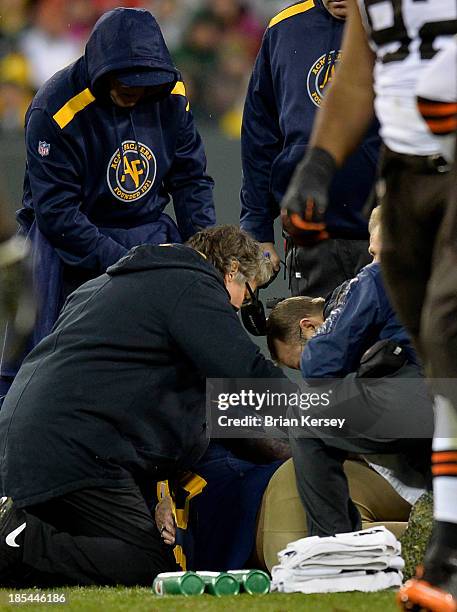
117 391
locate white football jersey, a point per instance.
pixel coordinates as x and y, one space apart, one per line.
405 35
438 86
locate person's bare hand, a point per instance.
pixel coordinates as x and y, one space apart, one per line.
269 247
165 521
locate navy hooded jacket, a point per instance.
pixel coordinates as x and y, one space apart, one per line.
295 63
361 315
94 168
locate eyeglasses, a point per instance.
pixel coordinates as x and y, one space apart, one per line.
252 295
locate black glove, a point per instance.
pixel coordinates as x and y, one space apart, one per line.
304 205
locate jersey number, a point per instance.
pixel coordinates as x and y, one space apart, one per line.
397 32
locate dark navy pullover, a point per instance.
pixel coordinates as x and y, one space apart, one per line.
361 315
295 63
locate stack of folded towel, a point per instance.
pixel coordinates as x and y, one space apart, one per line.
367 560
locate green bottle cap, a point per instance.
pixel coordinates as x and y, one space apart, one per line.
219 583
254 582
191 584
178 583
257 583
226 585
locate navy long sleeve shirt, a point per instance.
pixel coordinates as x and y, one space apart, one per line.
298 56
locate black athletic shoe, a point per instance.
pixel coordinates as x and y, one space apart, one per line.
434 589
12 525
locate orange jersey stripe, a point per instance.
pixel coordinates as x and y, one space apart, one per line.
442 126
437 109
444 469
444 457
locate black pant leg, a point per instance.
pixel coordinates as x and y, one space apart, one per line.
412 213
439 319
317 270
323 487
375 422
94 536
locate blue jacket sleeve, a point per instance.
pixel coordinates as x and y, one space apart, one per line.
56 191
188 183
261 143
349 330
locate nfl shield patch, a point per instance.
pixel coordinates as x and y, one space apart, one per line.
43 148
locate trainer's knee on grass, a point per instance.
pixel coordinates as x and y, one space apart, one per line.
134 566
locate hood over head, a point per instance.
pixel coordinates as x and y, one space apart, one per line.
129 40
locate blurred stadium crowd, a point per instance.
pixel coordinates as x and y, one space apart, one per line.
213 44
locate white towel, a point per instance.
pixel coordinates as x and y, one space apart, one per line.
323 571
331 563
366 560
284 582
367 543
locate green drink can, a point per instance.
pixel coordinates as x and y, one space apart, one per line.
254 582
178 583
220 583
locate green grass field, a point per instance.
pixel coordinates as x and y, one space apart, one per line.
143 600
